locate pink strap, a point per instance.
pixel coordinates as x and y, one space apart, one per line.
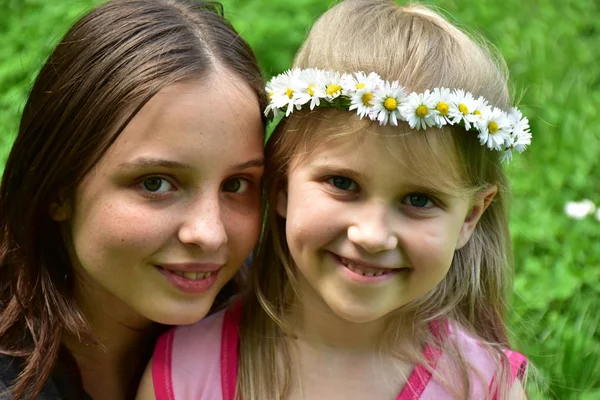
518 368
229 350
161 367
420 377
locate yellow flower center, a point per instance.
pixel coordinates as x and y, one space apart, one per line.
463 109
493 127
442 108
289 92
271 94
390 104
311 90
333 89
366 99
422 111
360 85
477 112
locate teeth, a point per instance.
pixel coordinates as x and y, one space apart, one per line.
358 270
193 276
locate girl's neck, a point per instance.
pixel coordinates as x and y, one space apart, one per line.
112 361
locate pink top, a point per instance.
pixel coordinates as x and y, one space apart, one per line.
200 362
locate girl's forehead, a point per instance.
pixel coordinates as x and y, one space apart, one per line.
431 155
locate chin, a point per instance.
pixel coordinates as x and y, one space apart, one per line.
357 315
181 315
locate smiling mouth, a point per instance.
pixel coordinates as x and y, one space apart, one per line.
364 270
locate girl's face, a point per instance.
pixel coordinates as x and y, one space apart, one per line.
368 235
171 212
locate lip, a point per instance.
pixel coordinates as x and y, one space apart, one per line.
192 267
172 273
387 272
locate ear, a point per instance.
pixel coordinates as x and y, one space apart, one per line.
281 205
479 204
60 210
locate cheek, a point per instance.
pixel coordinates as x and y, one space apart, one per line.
312 220
434 247
117 226
242 231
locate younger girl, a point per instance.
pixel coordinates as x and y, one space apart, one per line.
386 265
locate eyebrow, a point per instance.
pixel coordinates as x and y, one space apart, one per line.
145 162
148 162
339 170
259 162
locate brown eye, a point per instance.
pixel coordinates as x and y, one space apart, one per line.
236 185
156 184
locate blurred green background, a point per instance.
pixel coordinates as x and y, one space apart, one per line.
552 48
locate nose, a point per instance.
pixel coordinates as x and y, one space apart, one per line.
372 231
203 226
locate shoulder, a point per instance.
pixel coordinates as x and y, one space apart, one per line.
485 365
187 359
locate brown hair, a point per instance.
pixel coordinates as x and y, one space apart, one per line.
422 50
109 64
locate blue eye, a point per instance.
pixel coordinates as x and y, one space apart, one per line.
156 184
418 200
343 183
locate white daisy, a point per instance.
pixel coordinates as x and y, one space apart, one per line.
281 92
494 128
419 110
333 85
358 81
362 92
387 102
441 112
521 135
309 85
462 104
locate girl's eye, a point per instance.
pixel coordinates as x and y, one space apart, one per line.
418 200
343 183
156 184
236 185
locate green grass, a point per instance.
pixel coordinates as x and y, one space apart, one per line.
552 49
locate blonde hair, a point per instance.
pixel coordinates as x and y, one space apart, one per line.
422 50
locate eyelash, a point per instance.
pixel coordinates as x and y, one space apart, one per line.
430 203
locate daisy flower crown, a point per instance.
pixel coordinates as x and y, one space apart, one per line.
389 102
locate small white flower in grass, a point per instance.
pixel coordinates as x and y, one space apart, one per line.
281 93
462 105
419 110
309 85
579 210
333 85
387 103
441 113
494 128
598 214
521 135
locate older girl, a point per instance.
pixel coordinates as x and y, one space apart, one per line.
131 195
